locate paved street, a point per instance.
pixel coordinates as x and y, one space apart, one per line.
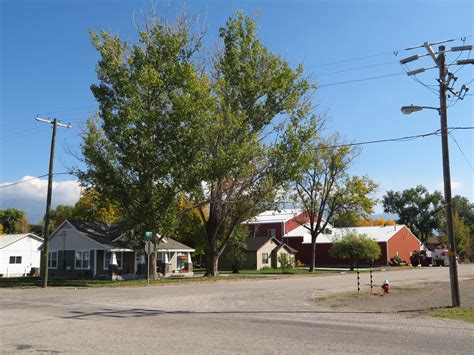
264 316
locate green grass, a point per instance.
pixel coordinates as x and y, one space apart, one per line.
464 314
33 282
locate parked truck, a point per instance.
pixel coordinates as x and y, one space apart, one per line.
438 257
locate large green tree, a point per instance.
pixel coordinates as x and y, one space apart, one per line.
461 237
259 101
417 208
13 221
465 210
153 108
325 189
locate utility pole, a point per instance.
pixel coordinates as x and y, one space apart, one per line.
453 267
446 81
44 252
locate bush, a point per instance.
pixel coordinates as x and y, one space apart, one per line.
395 261
286 262
299 263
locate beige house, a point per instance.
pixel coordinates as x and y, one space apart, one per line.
259 252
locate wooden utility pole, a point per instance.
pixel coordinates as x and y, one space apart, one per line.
44 251
453 268
445 80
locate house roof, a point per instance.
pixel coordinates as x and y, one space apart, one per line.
379 234
103 233
108 234
171 244
274 216
255 243
287 247
7 239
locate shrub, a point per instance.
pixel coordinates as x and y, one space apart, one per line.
286 262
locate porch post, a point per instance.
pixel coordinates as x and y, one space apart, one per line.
189 265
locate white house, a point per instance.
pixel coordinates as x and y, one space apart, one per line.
19 253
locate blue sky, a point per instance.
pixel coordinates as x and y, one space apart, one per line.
48 64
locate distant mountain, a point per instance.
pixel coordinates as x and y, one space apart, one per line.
385 216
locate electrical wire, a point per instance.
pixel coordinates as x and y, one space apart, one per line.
362 79
33 178
459 147
357 68
383 53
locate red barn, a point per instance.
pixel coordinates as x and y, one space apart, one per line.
275 223
393 241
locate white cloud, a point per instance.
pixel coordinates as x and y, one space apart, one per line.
30 195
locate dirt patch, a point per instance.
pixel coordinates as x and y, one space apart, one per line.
401 299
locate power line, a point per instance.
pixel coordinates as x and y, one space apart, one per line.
464 155
33 178
362 79
382 53
358 68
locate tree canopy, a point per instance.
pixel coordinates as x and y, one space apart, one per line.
420 210
325 188
355 247
153 110
13 221
247 153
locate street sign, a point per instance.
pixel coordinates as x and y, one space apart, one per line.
149 247
148 235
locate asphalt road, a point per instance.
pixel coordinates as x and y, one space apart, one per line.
258 317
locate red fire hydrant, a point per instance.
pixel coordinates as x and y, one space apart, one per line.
386 287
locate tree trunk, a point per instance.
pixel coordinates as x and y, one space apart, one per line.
313 255
152 266
212 263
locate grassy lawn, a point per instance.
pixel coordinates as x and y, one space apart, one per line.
464 314
33 282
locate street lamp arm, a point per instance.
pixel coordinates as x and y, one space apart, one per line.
406 110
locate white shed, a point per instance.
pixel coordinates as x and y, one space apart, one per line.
19 253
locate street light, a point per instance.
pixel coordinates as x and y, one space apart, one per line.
406 110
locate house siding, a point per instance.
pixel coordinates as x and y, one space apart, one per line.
29 250
266 248
67 268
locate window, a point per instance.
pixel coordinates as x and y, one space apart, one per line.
181 260
81 260
52 260
251 233
15 259
107 259
271 232
264 258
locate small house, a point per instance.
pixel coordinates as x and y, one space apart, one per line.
98 250
259 252
20 254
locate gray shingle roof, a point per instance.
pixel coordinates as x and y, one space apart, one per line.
103 233
106 233
255 243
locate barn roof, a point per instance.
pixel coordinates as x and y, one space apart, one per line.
274 216
379 234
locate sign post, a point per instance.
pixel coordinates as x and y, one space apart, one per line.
149 246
